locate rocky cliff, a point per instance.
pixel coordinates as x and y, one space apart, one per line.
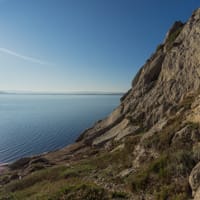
170 74
149 146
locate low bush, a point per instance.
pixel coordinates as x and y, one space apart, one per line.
80 192
121 195
19 164
50 174
164 169
172 37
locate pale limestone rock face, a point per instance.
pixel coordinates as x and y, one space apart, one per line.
171 74
197 195
194 115
194 180
116 130
167 77
186 135
178 75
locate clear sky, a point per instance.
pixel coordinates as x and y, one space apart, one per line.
81 45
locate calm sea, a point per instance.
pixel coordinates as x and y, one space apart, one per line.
33 124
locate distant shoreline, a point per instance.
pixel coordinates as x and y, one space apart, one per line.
24 93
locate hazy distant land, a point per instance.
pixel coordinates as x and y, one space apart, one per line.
61 93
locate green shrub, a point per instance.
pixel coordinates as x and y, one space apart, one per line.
50 174
196 152
121 195
181 162
152 142
172 37
155 170
159 167
162 140
140 181
162 170
165 192
193 125
19 164
172 192
159 47
7 197
80 192
77 170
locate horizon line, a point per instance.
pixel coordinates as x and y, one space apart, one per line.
64 92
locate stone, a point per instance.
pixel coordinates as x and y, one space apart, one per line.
194 179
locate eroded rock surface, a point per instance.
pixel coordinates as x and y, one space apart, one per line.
168 76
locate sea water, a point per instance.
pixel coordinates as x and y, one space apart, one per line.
34 124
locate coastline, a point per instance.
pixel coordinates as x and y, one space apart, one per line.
63 93
3 167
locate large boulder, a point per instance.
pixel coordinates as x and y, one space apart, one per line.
194 180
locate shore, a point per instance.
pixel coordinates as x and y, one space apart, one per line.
3 167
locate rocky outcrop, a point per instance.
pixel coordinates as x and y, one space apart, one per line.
168 76
194 180
163 104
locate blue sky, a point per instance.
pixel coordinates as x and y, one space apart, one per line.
81 45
